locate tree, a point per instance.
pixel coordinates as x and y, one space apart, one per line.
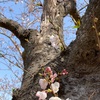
80 58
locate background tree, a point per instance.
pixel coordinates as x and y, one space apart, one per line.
45 47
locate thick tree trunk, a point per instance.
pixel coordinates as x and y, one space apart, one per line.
81 58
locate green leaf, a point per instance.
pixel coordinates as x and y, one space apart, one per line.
76 26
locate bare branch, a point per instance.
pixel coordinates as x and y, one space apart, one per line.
18 49
12 26
16 65
83 7
9 67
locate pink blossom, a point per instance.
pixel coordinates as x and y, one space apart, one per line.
55 87
53 76
48 70
64 72
52 80
42 95
54 42
54 98
43 83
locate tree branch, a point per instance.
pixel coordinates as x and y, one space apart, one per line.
12 26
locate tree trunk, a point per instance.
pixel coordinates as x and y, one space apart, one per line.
81 58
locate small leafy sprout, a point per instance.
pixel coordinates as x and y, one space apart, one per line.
77 24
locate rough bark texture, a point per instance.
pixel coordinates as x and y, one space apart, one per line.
81 58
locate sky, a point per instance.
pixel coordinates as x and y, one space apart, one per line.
13 11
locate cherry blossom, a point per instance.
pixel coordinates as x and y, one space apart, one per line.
50 81
55 87
53 76
43 83
48 70
42 95
64 72
54 42
54 98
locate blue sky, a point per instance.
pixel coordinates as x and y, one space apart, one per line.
5 72
19 8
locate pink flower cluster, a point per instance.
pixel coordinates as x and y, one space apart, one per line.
49 80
